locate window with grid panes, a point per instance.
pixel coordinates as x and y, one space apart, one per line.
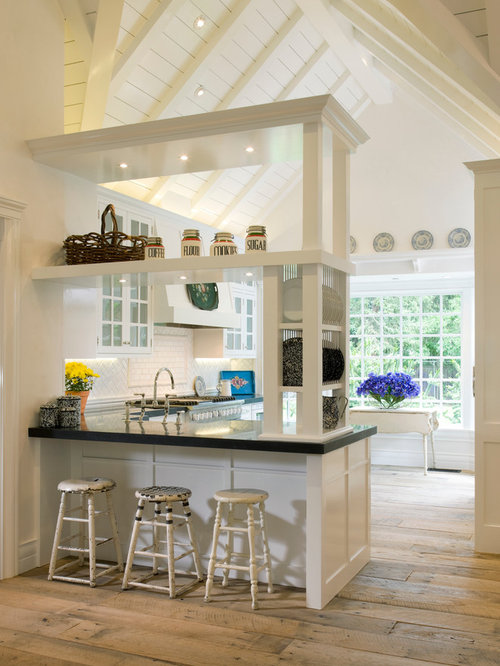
417 334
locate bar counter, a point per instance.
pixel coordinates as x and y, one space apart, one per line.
319 492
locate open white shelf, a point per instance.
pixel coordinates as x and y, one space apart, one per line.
234 268
299 326
331 386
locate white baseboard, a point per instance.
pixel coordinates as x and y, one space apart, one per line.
27 555
454 450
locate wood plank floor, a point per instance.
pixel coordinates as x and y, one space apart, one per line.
425 598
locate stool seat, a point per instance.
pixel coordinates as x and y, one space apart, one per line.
163 493
85 485
241 495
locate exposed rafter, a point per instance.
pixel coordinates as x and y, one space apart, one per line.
141 44
493 21
411 56
187 81
321 17
73 13
109 14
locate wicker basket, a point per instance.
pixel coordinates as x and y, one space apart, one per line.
94 248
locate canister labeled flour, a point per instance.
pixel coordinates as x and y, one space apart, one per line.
191 243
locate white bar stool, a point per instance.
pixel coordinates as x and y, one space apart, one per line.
159 495
87 488
248 497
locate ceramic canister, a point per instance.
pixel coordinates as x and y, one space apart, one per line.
223 245
191 243
256 239
154 248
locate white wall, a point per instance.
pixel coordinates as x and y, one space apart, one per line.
408 176
31 81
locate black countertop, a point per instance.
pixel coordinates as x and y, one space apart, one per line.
214 434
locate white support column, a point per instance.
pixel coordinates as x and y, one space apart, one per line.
487 420
272 350
10 281
313 186
340 184
312 351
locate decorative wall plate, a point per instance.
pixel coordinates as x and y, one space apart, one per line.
383 242
199 386
353 244
459 238
422 240
204 296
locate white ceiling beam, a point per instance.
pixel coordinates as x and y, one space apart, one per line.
223 219
74 15
186 82
142 42
493 23
323 20
109 15
406 83
380 33
255 68
433 25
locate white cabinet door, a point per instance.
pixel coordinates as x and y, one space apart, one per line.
241 342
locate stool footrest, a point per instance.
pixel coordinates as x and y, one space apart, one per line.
238 567
231 528
161 588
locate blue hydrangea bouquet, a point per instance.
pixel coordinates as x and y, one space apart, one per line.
389 390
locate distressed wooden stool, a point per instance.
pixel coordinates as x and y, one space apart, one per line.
159 495
249 497
88 489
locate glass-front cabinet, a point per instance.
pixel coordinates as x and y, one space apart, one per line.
125 319
241 342
125 326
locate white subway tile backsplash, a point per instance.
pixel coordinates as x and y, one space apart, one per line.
173 348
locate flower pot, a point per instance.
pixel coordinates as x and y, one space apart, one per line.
84 395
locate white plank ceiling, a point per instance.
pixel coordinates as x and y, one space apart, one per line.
132 61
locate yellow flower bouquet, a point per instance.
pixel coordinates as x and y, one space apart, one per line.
77 377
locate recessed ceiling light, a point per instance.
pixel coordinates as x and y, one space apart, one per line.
200 90
183 157
249 274
199 22
249 149
182 277
122 280
364 61
123 165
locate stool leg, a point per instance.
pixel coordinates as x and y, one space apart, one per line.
267 553
91 523
157 514
229 545
170 549
253 561
114 529
81 531
213 554
192 541
57 535
133 542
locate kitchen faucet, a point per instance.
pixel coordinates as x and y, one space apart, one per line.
155 387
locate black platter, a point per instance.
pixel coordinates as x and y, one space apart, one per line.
333 362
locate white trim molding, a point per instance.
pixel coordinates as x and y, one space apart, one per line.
11 213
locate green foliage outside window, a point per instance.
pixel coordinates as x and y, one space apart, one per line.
417 334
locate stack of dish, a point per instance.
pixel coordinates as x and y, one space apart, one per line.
333 307
333 362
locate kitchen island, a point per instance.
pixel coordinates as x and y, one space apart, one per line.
319 493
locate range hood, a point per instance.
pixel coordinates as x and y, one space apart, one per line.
171 305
